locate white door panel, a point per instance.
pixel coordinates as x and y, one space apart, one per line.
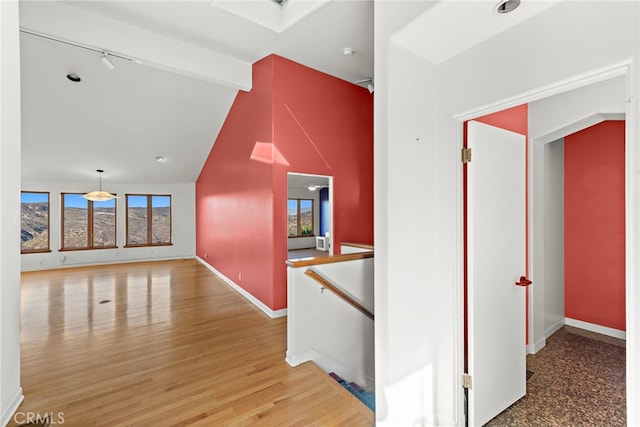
496 260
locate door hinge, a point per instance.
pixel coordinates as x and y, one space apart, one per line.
466 380
465 156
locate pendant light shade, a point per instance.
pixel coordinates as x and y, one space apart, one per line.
99 195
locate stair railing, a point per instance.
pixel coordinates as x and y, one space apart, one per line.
326 284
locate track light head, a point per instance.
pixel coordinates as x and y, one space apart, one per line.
107 62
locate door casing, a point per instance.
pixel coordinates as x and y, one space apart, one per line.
628 69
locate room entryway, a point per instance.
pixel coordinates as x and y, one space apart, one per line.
566 340
309 215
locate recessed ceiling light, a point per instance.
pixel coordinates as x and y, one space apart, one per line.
74 77
347 51
160 159
506 6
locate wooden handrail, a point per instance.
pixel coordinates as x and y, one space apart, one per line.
304 262
328 285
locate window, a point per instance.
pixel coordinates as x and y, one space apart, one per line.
87 224
148 220
34 222
300 217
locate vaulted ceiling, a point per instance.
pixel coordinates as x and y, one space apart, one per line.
178 67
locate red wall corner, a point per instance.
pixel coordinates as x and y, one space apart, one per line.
595 225
295 119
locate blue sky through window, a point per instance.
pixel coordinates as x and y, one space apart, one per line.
34 197
77 201
292 207
134 201
160 201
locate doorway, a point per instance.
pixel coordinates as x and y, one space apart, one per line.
536 244
309 215
547 194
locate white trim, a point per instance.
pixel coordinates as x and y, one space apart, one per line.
328 365
536 347
542 342
293 359
616 333
103 263
632 243
329 245
554 328
578 125
253 300
581 80
12 407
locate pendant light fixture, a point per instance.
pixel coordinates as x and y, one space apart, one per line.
314 187
99 196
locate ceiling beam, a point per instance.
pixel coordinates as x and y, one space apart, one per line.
72 24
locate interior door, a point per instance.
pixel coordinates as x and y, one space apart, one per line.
496 238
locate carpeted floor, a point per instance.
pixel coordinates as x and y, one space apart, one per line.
578 380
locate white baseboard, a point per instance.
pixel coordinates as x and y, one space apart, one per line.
293 360
253 300
536 347
554 328
616 333
328 365
12 407
24 269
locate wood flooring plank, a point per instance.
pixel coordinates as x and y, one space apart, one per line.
173 345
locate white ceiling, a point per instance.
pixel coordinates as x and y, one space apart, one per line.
451 27
173 103
191 59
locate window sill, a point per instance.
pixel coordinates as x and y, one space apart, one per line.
153 245
36 251
91 248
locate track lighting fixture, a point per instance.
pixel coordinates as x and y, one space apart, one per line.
369 82
107 62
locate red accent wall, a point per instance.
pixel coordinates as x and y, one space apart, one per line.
594 229
515 119
294 119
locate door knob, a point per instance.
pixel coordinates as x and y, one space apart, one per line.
523 281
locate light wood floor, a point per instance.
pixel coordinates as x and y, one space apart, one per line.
162 344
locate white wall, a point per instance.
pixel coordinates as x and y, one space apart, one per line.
418 271
349 249
10 390
556 116
554 237
182 227
409 274
324 328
